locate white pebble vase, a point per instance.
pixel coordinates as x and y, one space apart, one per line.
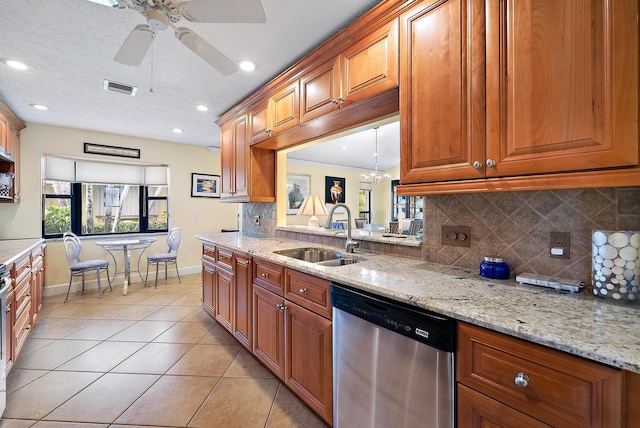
616 265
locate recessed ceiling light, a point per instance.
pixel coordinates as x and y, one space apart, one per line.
202 107
39 106
248 65
16 64
177 130
344 147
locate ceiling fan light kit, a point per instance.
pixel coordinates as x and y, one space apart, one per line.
162 14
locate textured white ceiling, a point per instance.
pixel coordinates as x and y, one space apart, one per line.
71 43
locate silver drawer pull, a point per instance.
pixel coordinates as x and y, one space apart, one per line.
264 275
303 291
521 380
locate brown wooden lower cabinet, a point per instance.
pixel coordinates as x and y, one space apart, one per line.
268 330
242 303
479 410
224 298
208 288
515 380
308 363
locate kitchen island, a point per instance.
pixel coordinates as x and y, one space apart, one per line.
577 323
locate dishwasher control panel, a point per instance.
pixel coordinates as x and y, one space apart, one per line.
421 325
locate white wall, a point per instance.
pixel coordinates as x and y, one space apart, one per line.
23 220
381 199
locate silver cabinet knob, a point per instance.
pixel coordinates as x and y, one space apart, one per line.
264 275
521 380
338 101
491 163
281 307
269 132
303 291
477 165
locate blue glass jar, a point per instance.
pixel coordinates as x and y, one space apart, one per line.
495 268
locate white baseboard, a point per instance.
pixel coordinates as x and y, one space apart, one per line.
92 284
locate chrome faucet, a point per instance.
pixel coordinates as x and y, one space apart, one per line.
350 245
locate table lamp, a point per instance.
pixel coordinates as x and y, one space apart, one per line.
313 206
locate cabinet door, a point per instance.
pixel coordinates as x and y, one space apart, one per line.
209 288
562 85
268 329
259 126
234 158
370 66
241 157
442 91
9 321
37 284
479 411
242 313
284 109
227 160
224 298
309 368
320 91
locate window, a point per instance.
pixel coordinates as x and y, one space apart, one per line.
73 200
365 205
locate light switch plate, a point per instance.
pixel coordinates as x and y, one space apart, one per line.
256 220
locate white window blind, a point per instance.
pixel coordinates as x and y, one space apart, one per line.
63 168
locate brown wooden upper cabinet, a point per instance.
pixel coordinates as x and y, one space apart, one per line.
559 80
248 174
279 113
370 66
320 91
233 158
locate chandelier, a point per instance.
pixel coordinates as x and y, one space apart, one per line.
374 176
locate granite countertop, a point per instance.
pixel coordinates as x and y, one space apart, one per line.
13 249
577 323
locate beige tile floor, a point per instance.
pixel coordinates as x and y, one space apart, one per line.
152 358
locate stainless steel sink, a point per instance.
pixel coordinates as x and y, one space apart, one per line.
320 256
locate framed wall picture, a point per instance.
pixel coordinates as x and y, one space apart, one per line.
298 188
334 190
205 185
101 149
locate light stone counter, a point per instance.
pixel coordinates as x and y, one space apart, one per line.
13 249
578 323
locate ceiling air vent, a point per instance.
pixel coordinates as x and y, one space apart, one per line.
120 87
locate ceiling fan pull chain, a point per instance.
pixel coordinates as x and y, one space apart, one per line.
151 83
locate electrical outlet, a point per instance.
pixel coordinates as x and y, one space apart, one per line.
560 245
455 235
256 220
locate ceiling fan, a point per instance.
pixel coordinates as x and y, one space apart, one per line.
161 14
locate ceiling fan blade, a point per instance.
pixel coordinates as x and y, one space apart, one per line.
204 50
135 47
223 11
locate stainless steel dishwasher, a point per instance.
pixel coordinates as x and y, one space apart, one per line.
393 364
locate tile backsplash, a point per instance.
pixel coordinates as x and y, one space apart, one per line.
511 225
267 213
516 226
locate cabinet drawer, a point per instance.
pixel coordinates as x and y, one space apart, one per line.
224 258
308 291
560 389
269 276
22 268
